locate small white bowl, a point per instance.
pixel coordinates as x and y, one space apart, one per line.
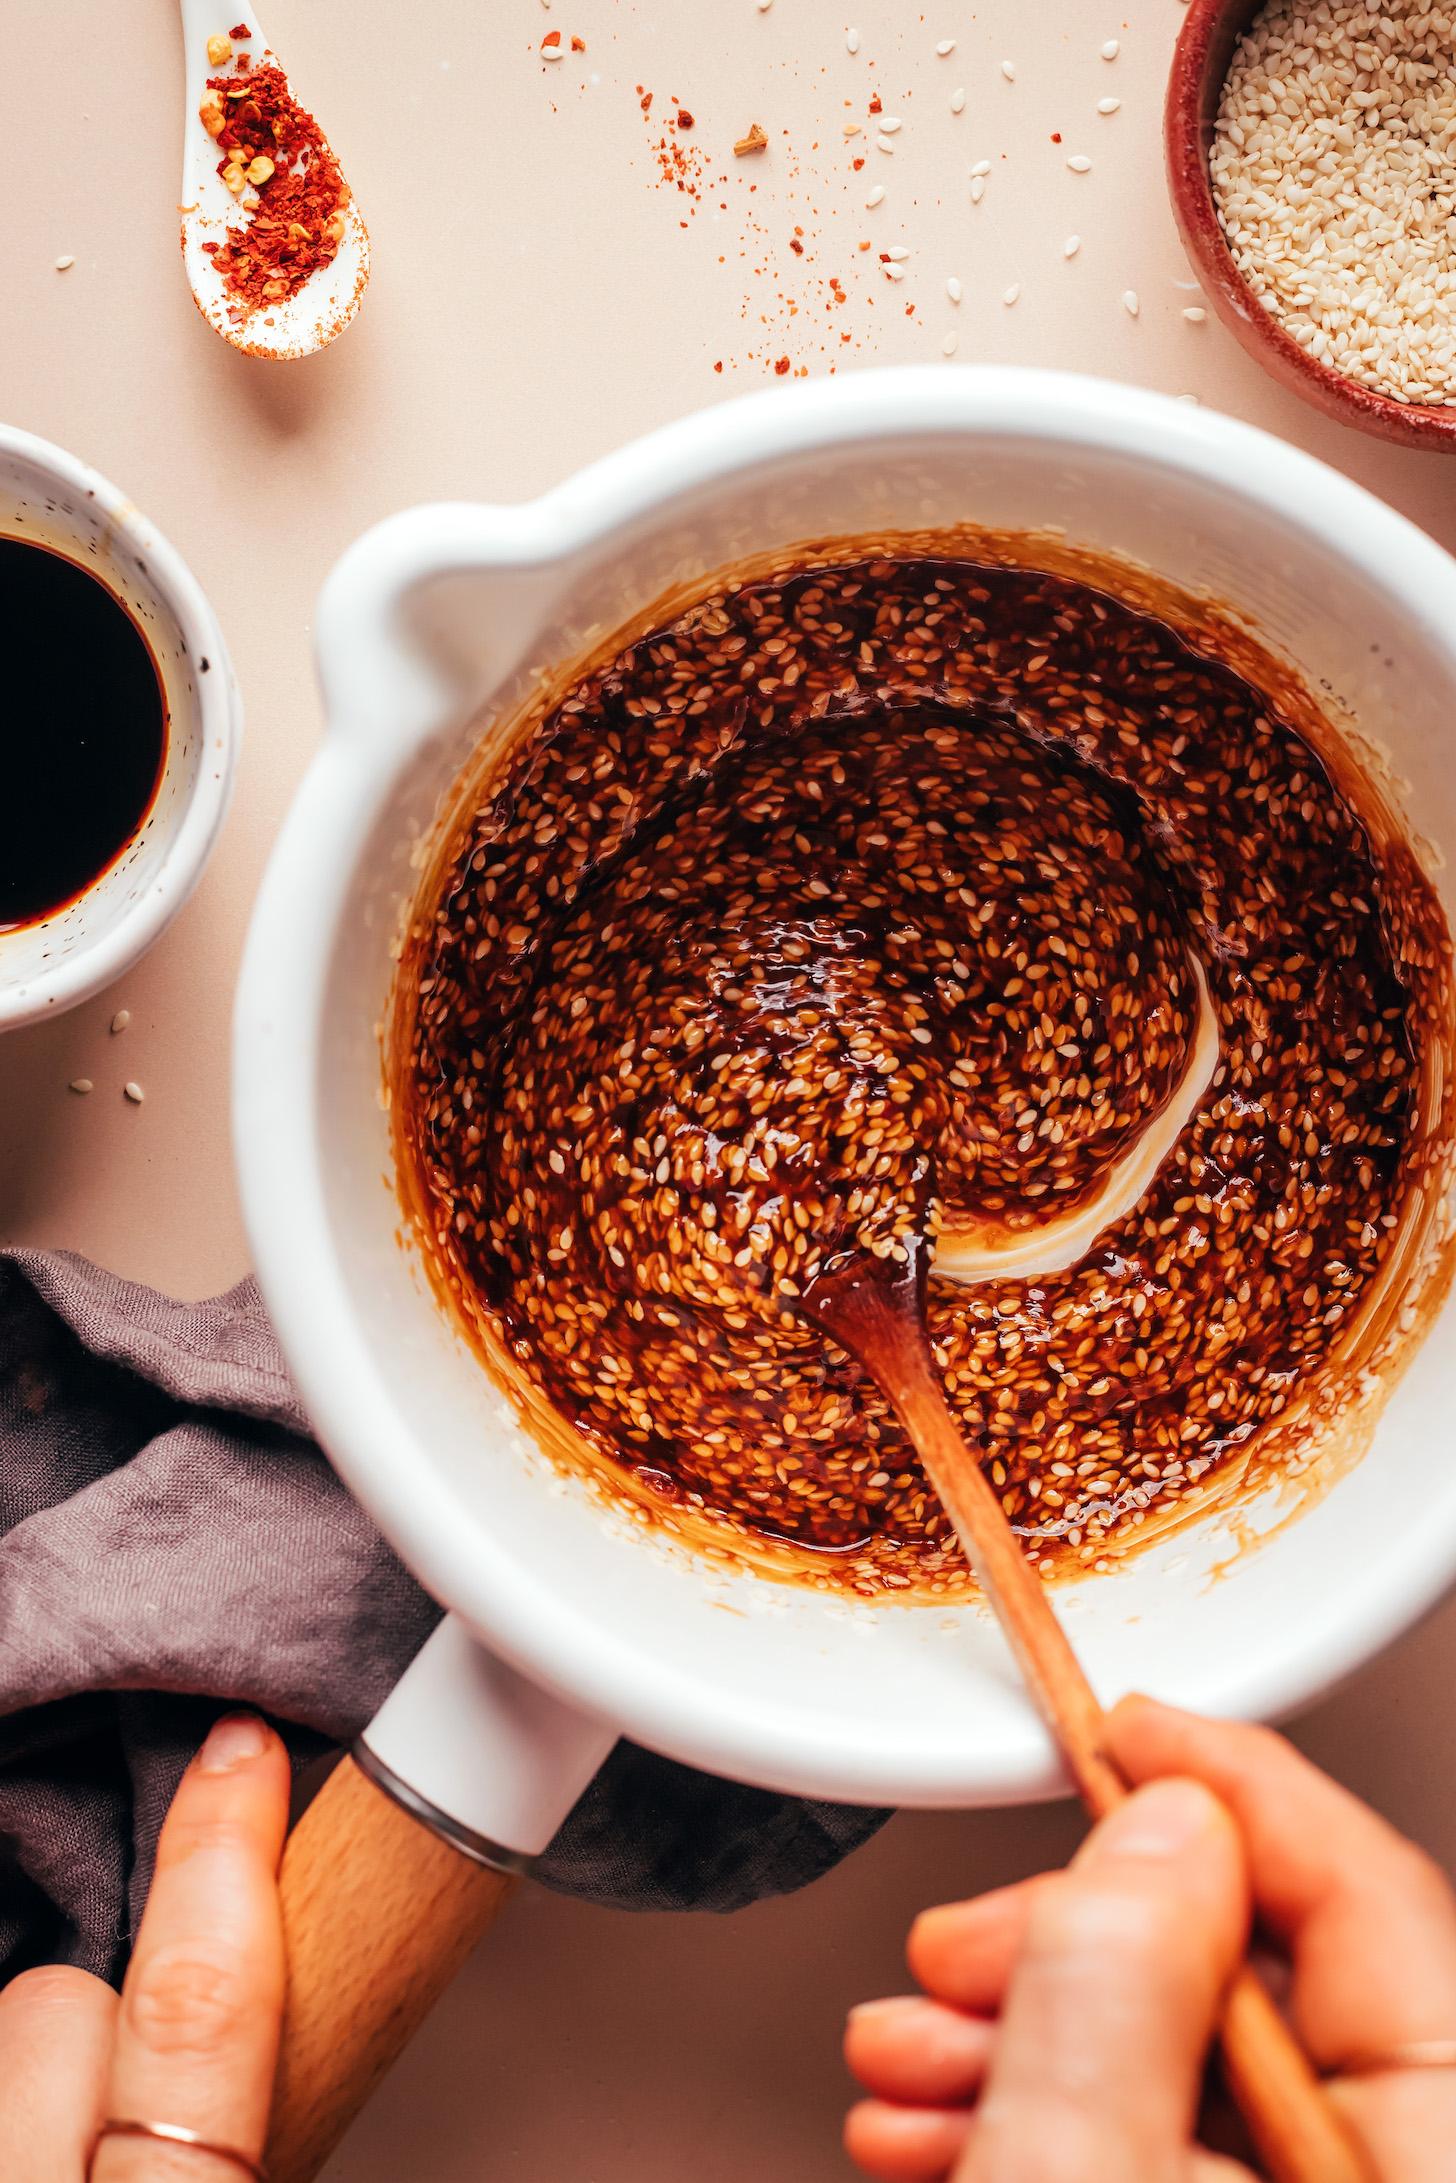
48 496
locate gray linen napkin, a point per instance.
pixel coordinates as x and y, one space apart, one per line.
171 1543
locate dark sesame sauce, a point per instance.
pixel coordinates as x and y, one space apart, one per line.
83 731
862 904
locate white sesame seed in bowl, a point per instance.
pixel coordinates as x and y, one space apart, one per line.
1311 149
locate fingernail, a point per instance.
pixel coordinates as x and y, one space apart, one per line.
1166 1819
233 1740
865 2012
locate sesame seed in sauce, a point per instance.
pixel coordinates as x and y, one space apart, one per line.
927 843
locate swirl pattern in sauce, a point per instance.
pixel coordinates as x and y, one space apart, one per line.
908 874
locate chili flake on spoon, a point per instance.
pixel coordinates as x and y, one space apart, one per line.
276 160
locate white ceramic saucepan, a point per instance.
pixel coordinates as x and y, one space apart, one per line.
570 1628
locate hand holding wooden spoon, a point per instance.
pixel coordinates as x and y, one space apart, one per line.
875 1307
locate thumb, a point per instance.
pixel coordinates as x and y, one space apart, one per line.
1113 1998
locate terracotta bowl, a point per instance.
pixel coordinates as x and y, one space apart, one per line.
1211 30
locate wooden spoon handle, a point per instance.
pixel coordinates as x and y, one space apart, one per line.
1299 2134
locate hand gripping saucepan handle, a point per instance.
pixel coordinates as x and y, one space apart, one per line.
399 1866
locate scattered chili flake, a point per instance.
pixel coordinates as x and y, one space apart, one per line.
719 365
755 141
781 366
1056 136
294 224
578 45
877 105
647 102
240 30
858 163
796 246
684 118
552 38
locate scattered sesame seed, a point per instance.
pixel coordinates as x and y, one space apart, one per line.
548 53
1071 246
954 289
897 252
946 45
851 41
1110 49
134 1093
958 101
948 346
1012 292
978 188
893 272
876 197
890 125
63 265
763 6
1080 163
1195 314
1130 302
82 1084
1108 106
982 166
884 144
1008 70
121 1019
851 128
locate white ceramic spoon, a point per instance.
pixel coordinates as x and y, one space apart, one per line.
327 301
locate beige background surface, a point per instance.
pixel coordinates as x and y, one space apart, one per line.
541 292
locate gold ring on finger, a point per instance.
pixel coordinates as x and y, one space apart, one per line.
176 2133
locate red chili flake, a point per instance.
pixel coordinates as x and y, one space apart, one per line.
781 366
857 165
552 38
240 30
1056 136
578 45
296 223
796 246
719 365
647 102
684 118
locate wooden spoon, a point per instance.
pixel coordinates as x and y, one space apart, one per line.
875 1308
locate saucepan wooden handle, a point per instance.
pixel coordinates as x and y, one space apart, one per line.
378 1916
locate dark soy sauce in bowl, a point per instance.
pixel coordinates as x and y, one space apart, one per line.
83 731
